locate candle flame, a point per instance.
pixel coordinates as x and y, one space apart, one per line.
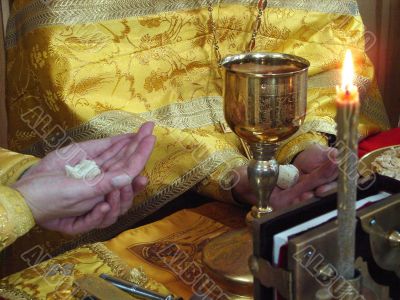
348 72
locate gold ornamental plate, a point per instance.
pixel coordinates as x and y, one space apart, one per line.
225 259
365 164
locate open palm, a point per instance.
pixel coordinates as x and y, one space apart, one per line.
75 207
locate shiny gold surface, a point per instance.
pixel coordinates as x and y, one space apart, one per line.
311 256
371 290
382 222
394 238
302 249
225 258
265 95
349 291
262 173
308 279
272 277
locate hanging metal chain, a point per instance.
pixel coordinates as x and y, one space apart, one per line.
261 6
213 27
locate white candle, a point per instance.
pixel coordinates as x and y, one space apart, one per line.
348 106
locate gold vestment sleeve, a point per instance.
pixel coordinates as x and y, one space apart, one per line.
15 216
13 165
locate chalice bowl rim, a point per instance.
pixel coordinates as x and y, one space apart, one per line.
248 57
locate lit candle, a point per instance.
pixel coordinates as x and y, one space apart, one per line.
348 106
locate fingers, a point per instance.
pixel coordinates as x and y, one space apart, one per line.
88 222
126 194
326 189
78 190
295 201
279 199
112 151
327 172
74 153
139 158
104 214
312 158
147 128
113 199
320 178
303 190
332 154
145 132
139 184
73 192
323 175
137 187
129 168
307 196
120 158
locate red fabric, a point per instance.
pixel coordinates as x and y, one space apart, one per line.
380 140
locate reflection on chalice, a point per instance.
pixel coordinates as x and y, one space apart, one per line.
265 96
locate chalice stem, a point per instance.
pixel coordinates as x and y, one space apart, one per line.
263 171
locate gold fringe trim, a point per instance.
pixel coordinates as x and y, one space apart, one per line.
117 266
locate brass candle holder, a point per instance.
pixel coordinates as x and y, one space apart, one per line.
265 97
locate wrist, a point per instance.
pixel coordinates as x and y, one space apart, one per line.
19 187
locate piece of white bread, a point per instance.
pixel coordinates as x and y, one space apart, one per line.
388 163
288 176
86 169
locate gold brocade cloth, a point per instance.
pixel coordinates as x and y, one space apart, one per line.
167 253
79 70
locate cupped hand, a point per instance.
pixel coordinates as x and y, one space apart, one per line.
75 206
318 172
103 151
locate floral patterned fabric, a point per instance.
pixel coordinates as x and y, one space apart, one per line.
78 70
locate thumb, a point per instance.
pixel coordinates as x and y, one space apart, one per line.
120 181
100 185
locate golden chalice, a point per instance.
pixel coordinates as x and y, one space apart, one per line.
265 97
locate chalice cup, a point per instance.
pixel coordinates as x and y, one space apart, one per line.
265 99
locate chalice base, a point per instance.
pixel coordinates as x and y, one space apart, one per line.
225 259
